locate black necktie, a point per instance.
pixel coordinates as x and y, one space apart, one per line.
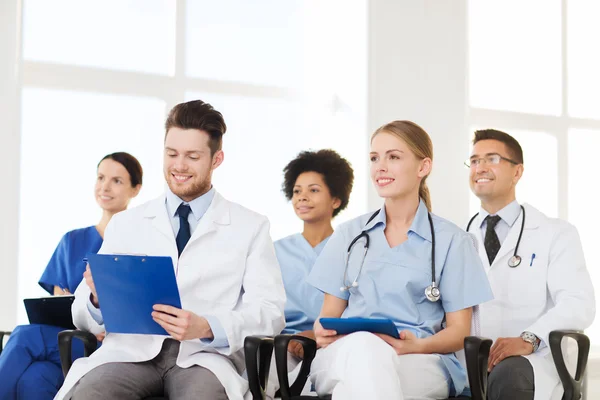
491 242
183 236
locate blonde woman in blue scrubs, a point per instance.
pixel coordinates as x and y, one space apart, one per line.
318 184
392 282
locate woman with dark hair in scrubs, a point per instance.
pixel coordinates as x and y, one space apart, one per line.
30 363
318 184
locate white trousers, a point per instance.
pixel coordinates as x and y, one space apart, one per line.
363 366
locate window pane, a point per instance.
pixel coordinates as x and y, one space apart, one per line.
64 136
258 148
583 199
514 65
256 42
540 154
584 61
133 35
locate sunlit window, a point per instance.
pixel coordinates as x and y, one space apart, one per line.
64 136
584 194
583 60
236 40
539 184
515 55
133 35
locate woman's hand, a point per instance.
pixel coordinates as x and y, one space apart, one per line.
296 347
408 343
325 337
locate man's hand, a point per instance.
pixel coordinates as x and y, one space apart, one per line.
296 348
508 347
181 324
87 275
408 343
324 337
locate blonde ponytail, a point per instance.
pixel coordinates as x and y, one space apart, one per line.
424 194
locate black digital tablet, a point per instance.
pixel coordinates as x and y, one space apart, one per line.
54 310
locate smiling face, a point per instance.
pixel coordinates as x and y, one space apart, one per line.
113 188
311 198
494 183
395 170
188 164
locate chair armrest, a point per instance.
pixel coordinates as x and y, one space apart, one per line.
65 339
572 386
281 355
258 351
477 352
2 334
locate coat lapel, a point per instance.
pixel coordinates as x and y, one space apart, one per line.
157 211
217 215
509 244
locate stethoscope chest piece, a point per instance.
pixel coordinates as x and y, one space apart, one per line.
432 292
514 261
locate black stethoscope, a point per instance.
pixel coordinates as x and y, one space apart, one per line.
515 260
432 292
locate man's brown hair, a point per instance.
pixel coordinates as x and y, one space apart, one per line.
199 115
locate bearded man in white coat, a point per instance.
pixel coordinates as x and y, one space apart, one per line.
227 273
547 287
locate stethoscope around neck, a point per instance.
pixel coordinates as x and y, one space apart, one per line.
432 292
515 260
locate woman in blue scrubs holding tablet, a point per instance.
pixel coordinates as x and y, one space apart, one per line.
30 363
409 266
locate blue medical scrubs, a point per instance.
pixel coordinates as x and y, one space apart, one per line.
30 362
296 258
393 280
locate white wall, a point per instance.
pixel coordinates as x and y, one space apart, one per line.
417 64
9 161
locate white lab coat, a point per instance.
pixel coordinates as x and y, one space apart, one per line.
228 270
552 292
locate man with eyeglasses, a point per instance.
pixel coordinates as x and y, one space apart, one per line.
537 271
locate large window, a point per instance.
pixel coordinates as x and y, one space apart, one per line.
540 82
99 77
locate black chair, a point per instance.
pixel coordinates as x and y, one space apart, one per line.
574 386
90 344
2 334
258 351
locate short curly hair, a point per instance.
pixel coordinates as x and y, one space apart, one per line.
336 171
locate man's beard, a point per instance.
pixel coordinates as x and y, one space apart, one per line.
189 192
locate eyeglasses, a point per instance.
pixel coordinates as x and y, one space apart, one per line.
490 159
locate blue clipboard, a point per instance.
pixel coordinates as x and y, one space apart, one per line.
128 287
345 326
